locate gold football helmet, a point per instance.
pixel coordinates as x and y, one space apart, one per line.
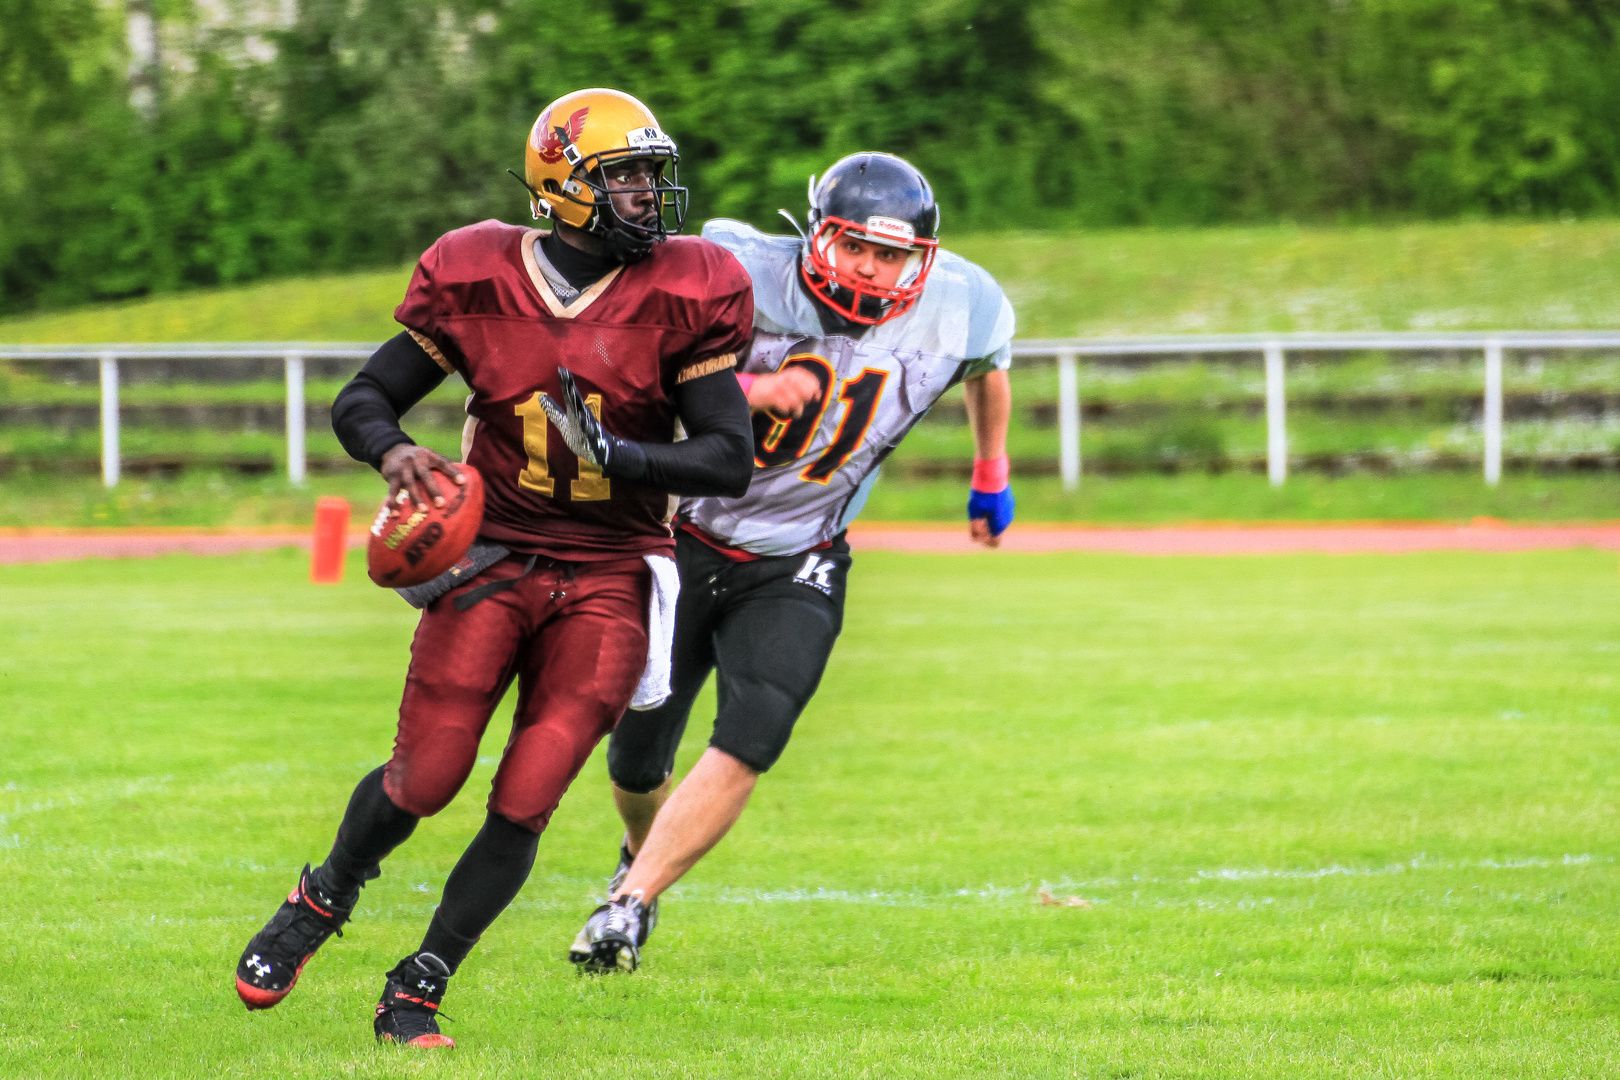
574 138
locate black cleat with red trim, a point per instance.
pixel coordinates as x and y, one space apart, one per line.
408 1014
273 960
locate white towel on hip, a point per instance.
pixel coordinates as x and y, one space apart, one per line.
653 689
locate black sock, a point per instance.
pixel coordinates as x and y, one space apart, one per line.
372 827
445 943
485 880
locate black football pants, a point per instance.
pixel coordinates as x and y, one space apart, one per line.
767 628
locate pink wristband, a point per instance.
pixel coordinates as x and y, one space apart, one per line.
746 382
990 474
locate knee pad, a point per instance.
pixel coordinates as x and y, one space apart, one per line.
419 796
757 731
634 770
641 752
757 754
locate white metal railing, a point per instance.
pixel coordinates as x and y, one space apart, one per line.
292 354
1272 348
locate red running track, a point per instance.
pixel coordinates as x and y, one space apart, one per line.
18 546
115 544
1256 539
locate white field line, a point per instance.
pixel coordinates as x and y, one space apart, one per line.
1421 862
97 791
557 892
1093 890
1089 888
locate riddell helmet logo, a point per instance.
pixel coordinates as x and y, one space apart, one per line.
555 139
888 230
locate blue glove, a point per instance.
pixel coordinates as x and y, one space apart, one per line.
996 507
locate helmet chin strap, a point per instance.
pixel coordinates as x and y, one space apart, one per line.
913 267
538 207
625 247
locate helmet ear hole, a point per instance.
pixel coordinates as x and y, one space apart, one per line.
550 186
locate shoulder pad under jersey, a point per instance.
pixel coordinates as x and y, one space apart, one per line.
956 285
962 312
468 251
698 268
772 262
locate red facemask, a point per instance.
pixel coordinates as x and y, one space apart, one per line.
843 292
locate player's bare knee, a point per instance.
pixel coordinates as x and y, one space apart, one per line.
734 764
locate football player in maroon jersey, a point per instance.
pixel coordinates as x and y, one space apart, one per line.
581 346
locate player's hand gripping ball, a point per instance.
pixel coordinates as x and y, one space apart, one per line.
411 544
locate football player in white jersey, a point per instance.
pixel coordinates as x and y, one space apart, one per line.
859 327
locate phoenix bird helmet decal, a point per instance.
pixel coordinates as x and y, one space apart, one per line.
552 141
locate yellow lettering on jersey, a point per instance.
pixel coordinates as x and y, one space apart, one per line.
591 486
536 477
773 437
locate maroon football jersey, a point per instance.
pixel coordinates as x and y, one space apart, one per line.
480 306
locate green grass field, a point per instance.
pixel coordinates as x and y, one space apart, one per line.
1332 817
225 500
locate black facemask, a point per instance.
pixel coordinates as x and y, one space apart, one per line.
627 245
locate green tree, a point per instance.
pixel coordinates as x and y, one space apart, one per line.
1211 110
58 74
380 124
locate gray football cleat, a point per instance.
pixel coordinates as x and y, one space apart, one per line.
616 884
612 937
580 951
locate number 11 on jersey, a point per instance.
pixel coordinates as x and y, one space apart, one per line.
591 486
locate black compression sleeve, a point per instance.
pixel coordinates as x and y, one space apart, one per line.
717 457
366 414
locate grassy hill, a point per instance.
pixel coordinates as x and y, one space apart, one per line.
1426 276
1470 275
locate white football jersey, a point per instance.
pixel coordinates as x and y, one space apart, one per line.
812 475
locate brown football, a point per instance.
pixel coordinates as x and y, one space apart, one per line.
410 545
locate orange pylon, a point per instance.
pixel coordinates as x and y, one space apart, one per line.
331 530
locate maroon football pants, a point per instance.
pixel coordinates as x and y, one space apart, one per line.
575 637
